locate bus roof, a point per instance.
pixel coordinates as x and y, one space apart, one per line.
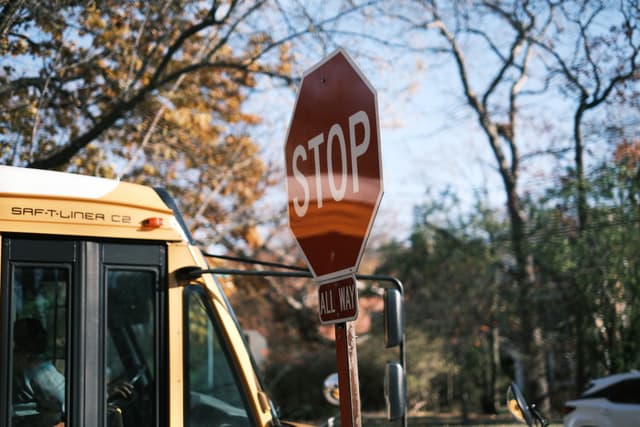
48 202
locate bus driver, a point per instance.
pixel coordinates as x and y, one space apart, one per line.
36 378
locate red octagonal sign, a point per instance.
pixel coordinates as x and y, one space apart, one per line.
333 165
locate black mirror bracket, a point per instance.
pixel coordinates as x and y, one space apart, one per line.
187 274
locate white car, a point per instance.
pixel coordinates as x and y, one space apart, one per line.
612 401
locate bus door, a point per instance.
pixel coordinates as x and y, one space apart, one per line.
82 327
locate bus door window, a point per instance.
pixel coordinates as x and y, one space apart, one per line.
81 324
39 322
212 388
130 347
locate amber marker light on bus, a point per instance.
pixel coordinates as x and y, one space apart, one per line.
151 223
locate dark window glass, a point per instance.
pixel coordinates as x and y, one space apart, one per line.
130 347
627 391
39 321
213 392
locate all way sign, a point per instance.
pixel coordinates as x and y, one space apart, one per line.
338 301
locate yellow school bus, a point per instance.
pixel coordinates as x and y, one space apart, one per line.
96 327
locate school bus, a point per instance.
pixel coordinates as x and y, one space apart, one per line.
97 326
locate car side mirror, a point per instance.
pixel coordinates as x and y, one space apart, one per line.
393 318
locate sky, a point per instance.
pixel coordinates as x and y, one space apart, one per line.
429 141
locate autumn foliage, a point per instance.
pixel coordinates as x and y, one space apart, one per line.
144 91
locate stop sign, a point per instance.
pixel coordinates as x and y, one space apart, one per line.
333 166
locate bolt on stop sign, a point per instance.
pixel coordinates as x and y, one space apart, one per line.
333 166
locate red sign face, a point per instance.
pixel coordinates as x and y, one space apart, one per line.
338 301
333 165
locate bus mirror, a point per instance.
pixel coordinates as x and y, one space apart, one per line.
395 390
518 406
393 318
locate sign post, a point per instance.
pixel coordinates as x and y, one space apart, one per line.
334 188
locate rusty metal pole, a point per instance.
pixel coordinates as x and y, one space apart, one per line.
348 383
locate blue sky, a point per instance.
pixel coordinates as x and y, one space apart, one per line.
421 146
430 138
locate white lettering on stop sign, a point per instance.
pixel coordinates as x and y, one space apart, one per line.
335 138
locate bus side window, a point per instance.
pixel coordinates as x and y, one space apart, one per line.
39 322
212 389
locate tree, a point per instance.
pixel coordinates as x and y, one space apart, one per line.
593 269
518 63
451 267
150 91
493 97
593 48
604 56
154 92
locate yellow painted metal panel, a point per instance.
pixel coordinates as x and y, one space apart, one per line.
183 255
88 218
239 350
65 204
60 185
178 256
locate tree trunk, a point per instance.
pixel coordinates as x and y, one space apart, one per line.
531 344
581 198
